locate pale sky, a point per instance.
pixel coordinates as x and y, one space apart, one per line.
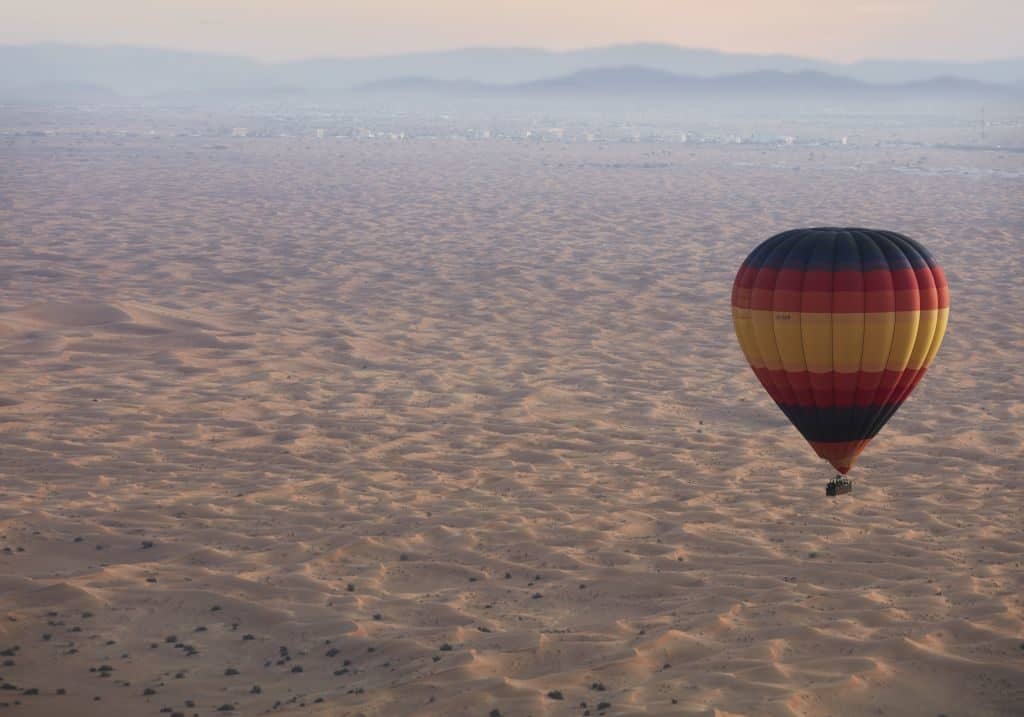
840 30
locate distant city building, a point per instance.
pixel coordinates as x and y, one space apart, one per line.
240 132
320 133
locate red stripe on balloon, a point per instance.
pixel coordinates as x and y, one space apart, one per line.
792 290
834 389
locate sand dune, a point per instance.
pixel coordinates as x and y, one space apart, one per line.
67 315
438 428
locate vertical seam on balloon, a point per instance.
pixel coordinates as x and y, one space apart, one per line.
803 345
771 387
937 335
767 252
852 419
831 321
789 250
919 335
749 351
894 400
862 422
882 413
814 397
878 399
749 263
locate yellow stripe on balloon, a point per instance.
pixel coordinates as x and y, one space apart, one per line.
941 322
816 335
847 342
789 340
741 320
878 332
844 342
763 323
925 334
904 336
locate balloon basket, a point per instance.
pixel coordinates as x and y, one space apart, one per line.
838 486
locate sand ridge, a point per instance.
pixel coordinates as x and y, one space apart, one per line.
461 428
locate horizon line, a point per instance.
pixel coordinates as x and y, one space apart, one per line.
477 48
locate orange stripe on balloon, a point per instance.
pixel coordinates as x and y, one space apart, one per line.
842 454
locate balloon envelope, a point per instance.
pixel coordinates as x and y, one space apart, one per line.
839 326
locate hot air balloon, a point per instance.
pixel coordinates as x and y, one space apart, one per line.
839 326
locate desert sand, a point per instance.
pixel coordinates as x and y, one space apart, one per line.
453 428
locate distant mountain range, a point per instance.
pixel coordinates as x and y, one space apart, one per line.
42 70
641 81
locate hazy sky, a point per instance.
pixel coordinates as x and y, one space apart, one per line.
278 29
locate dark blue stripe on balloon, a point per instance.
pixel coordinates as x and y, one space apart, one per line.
838 424
837 249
